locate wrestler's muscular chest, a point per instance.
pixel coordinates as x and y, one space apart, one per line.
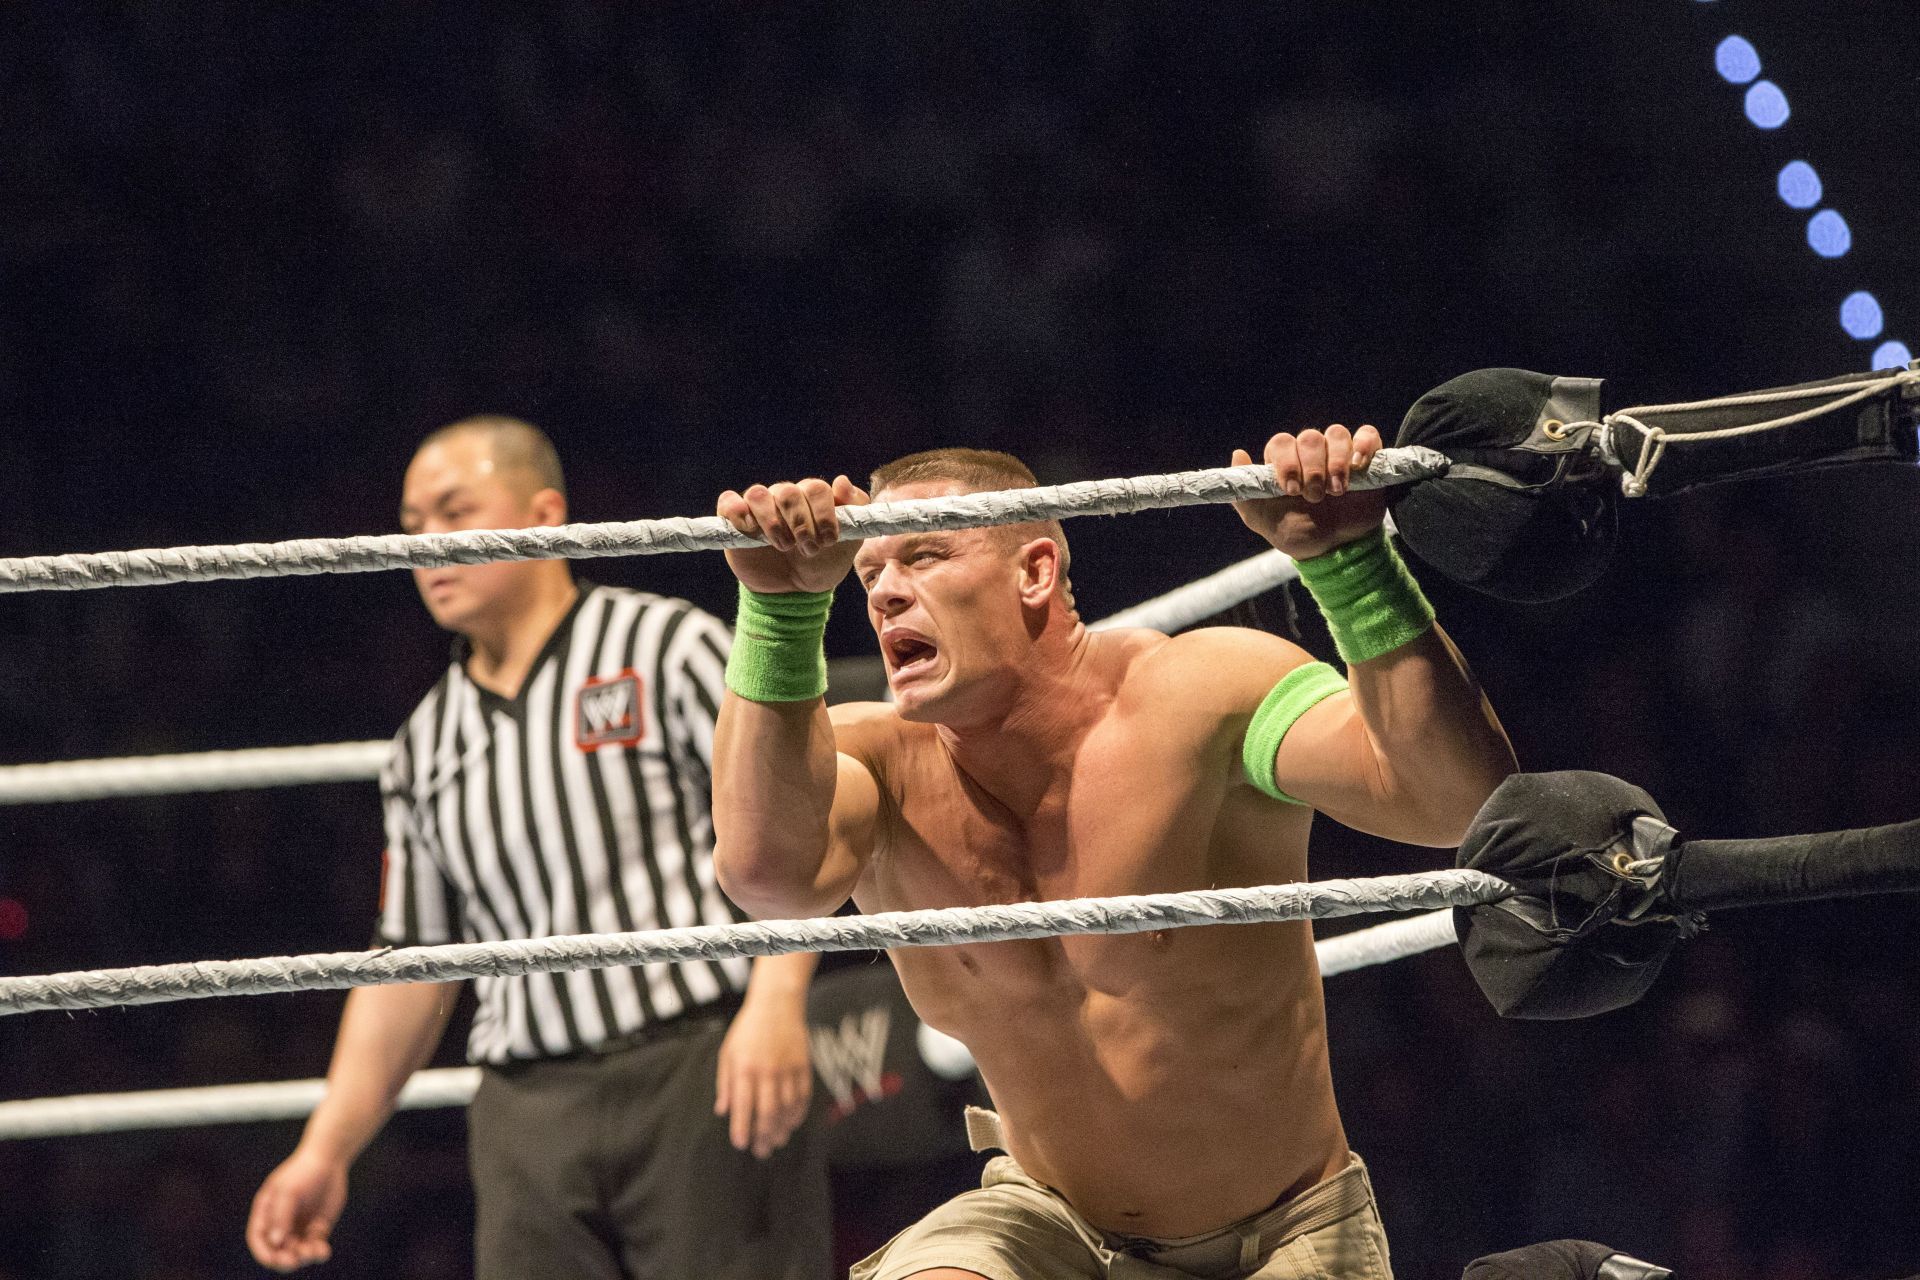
1134 812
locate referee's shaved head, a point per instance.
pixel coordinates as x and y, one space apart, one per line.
521 452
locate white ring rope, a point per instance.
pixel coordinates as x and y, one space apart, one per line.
454 1086
651 537
64 780
1181 607
944 926
214 1104
67 780
1382 943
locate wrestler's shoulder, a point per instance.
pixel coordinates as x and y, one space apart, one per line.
872 725
853 714
1211 667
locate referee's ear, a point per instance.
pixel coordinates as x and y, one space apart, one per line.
548 506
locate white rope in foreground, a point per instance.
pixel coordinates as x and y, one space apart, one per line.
652 537
946 926
454 1086
69 780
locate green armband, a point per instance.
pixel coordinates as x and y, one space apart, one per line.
778 650
1299 691
1370 601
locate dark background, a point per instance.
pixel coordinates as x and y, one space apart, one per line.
248 255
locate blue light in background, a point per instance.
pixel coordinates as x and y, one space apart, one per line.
1829 234
1860 315
1800 185
1767 105
1736 60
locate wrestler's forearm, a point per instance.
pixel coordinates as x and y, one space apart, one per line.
774 766
1438 747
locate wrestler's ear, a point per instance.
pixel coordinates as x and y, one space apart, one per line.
1040 571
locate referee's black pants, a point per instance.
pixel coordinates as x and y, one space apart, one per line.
614 1165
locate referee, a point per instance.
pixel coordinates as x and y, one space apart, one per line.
635 1122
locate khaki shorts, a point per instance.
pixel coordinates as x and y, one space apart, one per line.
1013 1228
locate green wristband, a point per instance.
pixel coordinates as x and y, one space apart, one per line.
1370 601
1298 692
778 650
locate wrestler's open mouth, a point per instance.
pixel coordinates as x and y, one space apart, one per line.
909 653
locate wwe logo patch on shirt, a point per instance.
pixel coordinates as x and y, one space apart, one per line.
607 712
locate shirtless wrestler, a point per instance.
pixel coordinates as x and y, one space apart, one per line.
1165 1098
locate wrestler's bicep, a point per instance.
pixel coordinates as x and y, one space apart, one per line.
1327 762
1324 763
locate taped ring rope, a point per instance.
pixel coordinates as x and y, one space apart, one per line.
69 780
81 572
944 926
454 1086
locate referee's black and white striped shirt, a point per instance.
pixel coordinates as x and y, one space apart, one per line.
581 806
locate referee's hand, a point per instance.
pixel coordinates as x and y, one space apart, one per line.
294 1212
766 1076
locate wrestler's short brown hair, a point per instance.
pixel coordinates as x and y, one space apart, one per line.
976 471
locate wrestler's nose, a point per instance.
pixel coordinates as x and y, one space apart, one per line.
891 593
